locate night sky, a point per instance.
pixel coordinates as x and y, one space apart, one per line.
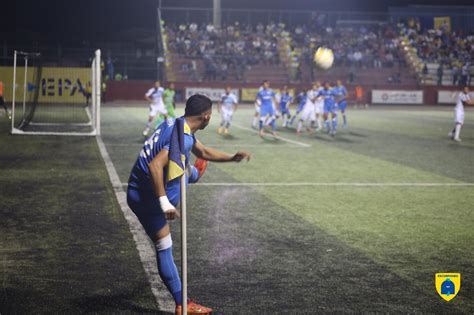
71 20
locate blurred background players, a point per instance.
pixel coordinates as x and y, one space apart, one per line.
285 100
226 108
341 94
267 100
168 99
463 99
301 100
330 106
155 97
309 110
257 104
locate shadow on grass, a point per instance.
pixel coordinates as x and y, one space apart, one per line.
113 303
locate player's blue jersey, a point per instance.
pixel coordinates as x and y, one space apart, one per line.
341 92
285 100
266 98
159 140
328 95
302 97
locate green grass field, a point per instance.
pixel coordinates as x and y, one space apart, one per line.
312 224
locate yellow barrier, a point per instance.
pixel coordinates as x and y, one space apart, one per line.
56 85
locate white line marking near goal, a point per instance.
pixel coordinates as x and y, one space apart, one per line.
339 184
144 245
278 137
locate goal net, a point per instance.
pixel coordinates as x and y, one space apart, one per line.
55 100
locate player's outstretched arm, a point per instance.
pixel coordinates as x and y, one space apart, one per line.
214 155
156 167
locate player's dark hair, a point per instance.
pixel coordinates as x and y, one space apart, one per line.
197 104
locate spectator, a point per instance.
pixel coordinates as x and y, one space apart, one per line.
424 72
464 75
440 73
455 72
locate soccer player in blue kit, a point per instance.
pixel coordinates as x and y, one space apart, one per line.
330 106
301 100
153 197
341 93
285 100
267 98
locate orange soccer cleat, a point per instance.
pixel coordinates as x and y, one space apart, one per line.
201 166
193 309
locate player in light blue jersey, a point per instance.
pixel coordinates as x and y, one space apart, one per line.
153 197
267 98
330 106
226 108
285 100
301 100
341 94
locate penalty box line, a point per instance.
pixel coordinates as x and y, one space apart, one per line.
143 244
238 184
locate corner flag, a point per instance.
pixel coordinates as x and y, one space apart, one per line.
176 156
176 166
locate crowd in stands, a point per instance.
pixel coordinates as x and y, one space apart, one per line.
368 47
449 49
227 51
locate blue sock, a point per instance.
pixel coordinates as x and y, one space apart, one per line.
274 126
169 273
326 124
334 123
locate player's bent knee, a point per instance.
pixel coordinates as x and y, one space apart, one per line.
164 243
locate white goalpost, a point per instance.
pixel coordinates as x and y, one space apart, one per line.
55 100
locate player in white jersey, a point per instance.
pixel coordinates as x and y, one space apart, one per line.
226 108
256 116
462 99
310 112
319 106
155 97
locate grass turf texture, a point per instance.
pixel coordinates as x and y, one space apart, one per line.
304 249
65 245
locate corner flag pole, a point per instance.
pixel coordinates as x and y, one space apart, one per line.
184 254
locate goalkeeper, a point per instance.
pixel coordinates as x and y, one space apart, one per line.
168 99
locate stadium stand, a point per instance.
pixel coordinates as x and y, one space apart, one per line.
250 54
440 56
234 53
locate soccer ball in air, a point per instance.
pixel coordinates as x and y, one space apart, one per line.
324 57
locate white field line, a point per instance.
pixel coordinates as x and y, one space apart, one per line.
278 137
339 184
144 245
